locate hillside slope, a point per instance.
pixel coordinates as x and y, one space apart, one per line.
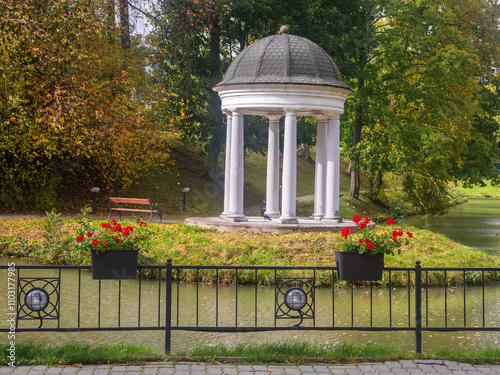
185 169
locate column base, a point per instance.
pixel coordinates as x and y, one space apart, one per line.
272 214
224 215
334 219
316 216
236 218
288 220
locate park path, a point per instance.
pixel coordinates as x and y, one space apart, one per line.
403 367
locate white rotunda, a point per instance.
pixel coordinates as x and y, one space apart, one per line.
284 75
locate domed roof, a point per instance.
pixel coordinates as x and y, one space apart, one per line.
285 59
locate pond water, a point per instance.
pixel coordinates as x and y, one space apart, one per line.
184 314
475 223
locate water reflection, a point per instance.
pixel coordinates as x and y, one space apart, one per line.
475 223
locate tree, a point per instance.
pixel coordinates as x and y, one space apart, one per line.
68 113
432 69
197 40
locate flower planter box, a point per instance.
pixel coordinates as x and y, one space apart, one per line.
114 264
354 266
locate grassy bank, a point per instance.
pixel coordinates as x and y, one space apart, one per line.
76 354
50 241
288 352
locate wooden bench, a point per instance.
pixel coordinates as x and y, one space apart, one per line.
117 205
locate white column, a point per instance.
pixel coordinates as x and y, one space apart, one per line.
236 169
289 188
273 168
227 176
320 170
333 170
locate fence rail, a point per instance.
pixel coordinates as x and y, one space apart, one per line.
65 298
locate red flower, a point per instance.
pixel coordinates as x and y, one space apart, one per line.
362 225
367 220
410 234
79 239
143 223
129 228
357 219
125 233
114 222
345 232
117 239
104 225
89 234
391 221
117 228
361 240
369 244
96 242
135 239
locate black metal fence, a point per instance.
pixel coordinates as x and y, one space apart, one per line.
213 299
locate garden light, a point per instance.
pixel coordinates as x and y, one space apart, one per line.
295 298
37 299
94 191
184 191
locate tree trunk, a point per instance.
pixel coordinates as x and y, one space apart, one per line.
111 25
124 25
304 152
356 138
216 112
378 179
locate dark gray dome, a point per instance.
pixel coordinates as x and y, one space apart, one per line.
283 59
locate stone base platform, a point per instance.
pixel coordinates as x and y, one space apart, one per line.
257 224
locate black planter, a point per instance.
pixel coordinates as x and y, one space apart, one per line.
114 264
354 266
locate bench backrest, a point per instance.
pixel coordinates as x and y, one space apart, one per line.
129 200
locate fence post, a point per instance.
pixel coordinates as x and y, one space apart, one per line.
168 306
418 307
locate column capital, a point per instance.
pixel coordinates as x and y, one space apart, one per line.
291 111
274 118
322 118
228 113
333 115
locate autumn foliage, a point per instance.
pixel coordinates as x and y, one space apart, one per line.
70 112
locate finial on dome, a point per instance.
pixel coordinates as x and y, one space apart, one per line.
284 29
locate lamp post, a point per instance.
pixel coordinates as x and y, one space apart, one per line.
184 191
94 191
